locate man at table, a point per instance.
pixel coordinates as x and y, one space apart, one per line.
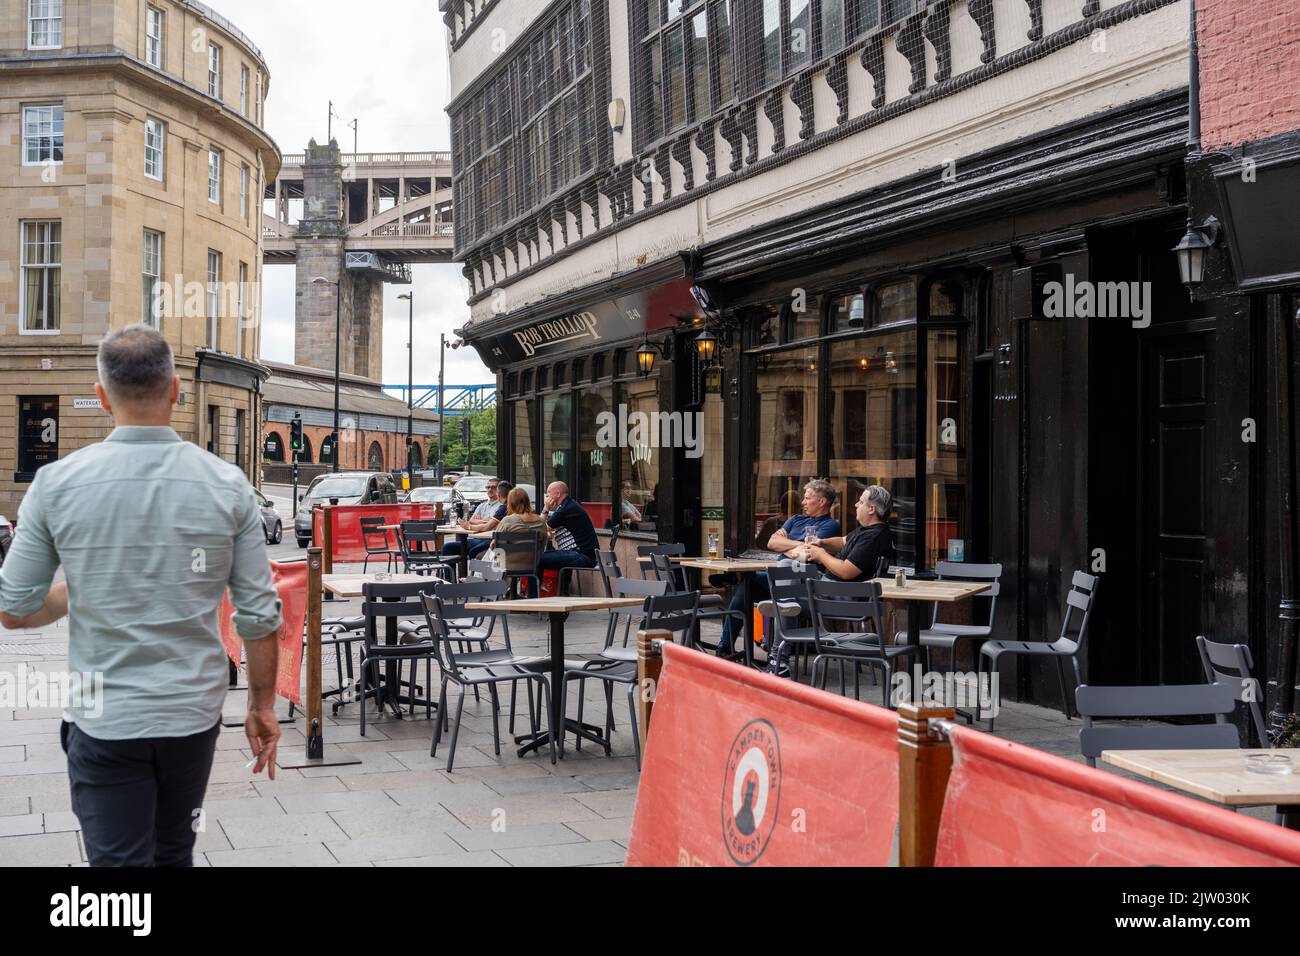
478 545
143 609
573 536
854 558
818 499
486 509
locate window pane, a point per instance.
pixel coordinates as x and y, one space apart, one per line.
595 464
655 93
557 453
945 459
873 426
639 494
699 65
868 17
800 35
832 26
847 312
896 302
675 64
805 318
525 470
786 458
724 77
652 14
674 9
771 42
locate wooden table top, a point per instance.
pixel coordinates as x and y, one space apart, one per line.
349 585
1218 775
943 591
451 529
552 605
736 565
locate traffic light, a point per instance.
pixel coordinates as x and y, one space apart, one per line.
295 435
464 432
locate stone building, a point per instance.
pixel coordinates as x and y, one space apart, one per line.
133 155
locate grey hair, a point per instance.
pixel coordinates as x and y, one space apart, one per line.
136 364
881 499
822 488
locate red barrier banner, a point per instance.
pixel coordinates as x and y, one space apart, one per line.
1012 805
347 544
745 769
290 579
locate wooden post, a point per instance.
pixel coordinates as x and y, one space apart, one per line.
327 538
649 661
315 737
924 762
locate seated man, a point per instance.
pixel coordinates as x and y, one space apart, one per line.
478 545
855 557
816 520
573 536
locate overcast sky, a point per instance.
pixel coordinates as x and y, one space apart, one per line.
386 64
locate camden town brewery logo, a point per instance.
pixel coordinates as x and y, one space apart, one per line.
751 791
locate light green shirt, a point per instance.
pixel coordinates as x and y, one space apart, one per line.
150 530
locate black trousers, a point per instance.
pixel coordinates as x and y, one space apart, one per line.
139 802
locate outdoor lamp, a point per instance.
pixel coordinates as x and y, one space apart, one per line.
706 346
1192 249
645 357
891 364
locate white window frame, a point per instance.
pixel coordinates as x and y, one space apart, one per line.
215 159
53 10
243 89
214 300
44 266
243 304
154 49
243 192
52 107
214 71
257 97
150 304
161 148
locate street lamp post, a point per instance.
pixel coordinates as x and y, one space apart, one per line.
338 358
409 297
442 365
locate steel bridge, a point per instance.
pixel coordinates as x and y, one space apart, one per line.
457 399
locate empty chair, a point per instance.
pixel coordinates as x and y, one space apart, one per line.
607 561
457 669
385 603
1230 665
712 607
374 538
522 552
1172 700
1078 600
671 549
624 617
419 540
674 613
945 635
851 604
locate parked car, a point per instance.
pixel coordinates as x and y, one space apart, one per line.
349 488
271 522
430 494
472 489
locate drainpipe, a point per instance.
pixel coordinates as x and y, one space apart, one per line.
1284 676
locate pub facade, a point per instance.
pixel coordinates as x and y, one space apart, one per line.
929 245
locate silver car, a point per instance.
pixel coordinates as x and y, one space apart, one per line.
271 522
429 494
349 488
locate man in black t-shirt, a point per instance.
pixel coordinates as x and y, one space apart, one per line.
855 557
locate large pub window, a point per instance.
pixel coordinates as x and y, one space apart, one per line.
639 455
845 406
595 461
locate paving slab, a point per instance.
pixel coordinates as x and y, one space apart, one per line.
448 859
540 834
302 854
371 849
42 849
247 833
569 854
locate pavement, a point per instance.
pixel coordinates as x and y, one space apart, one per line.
399 806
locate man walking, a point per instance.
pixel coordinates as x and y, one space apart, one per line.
150 531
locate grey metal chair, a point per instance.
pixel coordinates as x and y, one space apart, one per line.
787 611
457 669
851 604
607 561
674 613
419 542
712 607
530 545
672 549
944 635
1170 700
375 540
385 603
1078 599
1230 665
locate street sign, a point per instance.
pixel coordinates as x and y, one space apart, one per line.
87 403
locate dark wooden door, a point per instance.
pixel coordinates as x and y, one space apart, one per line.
1176 493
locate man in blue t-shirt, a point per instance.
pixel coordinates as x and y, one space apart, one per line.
815 522
573 536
